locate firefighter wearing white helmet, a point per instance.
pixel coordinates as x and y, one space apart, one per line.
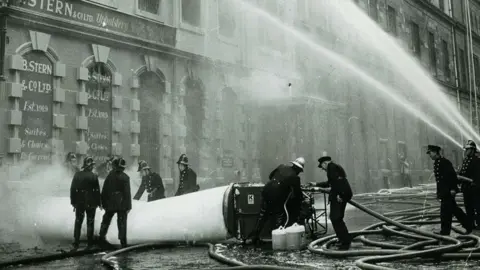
281 197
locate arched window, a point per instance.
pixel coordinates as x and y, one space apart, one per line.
195 115
152 87
36 105
99 111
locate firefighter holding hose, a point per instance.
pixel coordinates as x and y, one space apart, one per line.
85 198
151 181
469 175
340 194
447 188
281 197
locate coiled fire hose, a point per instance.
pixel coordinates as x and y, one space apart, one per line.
449 249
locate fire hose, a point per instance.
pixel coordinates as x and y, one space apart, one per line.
397 223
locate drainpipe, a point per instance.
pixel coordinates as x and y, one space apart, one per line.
455 61
472 66
467 46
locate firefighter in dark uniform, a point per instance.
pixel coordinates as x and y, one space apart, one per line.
281 196
188 177
470 186
85 198
340 194
151 181
71 163
447 188
116 199
105 168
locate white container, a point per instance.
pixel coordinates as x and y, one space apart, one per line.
295 237
279 239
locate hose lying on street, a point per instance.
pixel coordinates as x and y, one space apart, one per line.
47 258
108 259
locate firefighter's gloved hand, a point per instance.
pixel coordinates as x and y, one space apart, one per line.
339 199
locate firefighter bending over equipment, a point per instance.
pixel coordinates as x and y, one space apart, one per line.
151 181
85 198
470 186
340 194
284 185
447 188
116 199
188 177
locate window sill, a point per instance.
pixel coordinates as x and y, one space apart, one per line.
191 28
148 15
228 40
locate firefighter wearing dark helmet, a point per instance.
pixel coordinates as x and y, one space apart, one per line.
188 177
340 194
447 188
116 199
85 198
281 197
470 183
151 181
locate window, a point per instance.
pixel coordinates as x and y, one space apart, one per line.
392 20
446 59
433 53
476 66
150 6
373 9
415 32
192 12
441 4
462 67
226 18
269 35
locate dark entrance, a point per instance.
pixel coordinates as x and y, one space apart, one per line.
195 115
152 87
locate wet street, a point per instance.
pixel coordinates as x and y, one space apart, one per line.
197 257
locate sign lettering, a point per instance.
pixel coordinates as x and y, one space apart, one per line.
36 105
93 15
99 112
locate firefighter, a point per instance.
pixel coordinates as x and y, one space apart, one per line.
188 177
85 198
470 186
151 181
71 163
116 199
283 187
105 168
340 194
447 188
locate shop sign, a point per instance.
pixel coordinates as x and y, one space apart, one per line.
99 114
110 20
36 105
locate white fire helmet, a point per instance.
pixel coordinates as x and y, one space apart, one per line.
299 162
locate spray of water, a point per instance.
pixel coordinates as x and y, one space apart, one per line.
404 64
348 65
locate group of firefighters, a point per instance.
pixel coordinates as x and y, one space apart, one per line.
282 196
115 196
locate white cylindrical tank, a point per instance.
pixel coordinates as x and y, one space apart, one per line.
199 216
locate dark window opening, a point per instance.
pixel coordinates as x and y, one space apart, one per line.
392 20
446 59
433 53
191 12
416 43
150 6
195 116
373 9
476 66
226 18
462 67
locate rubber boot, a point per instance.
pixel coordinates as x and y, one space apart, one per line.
90 234
76 234
103 234
123 243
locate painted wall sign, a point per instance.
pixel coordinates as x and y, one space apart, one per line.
36 106
94 15
228 159
99 112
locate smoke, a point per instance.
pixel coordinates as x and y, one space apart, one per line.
24 187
